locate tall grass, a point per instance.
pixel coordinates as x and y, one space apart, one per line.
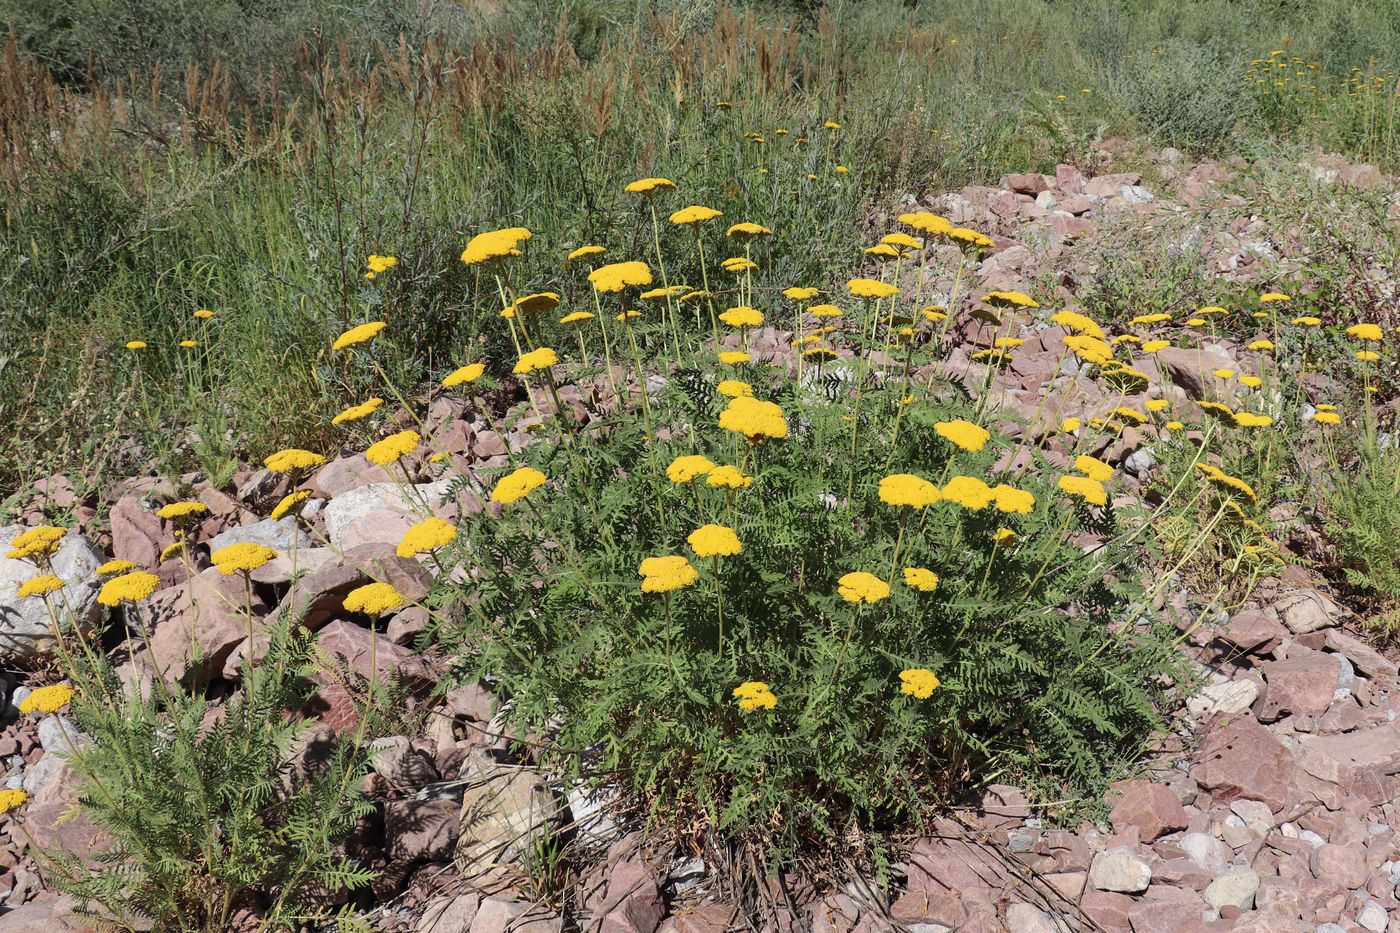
196 163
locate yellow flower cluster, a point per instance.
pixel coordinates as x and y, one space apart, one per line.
464 374
357 335
753 418
292 459
1084 488
36 543
12 798
693 215
861 587
174 511
714 541
963 434
918 682
755 695
906 489
428 535
393 448
243 557
356 412
921 579
114 567
374 599
494 245
290 502
47 700
617 276
664 574
517 485
541 358
742 317
40 586
871 288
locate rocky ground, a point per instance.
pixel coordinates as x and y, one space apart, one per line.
1272 806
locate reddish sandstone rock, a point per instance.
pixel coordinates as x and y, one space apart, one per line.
1253 631
1245 760
1301 684
1152 808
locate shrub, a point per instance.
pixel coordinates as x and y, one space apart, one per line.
1362 523
1182 93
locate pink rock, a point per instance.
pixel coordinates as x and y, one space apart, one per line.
343 474
1366 659
1069 179
707 918
1107 909
1253 631
421 830
1152 808
1351 758
500 915
1003 805
137 535
631 902
1028 184
1341 865
350 645
1245 760
1106 186
211 608
1301 684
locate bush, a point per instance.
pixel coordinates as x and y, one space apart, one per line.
1184 94
1363 525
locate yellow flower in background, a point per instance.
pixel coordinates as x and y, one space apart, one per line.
824 311
39 586
1157 318
136 344
189 344
293 458
1252 382
1173 425
291 501
714 541
1003 537
902 240
735 357
358 335
1154 346
1217 410
1227 482
244 557
393 448
616 276
1247 419
1370 332
754 695
970 239
664 574
128 588
1089 348
1011 500
1070 425
116 566
686 468
1262 345
378 264
1367 356
729 477
1130 414
36 542
583 252
1094 468
465 374
356 412
1327 417
576 317
737 265
428 535
733 388
650 185
175 511
47 700
799 294
204 314
11 799
747 231
861 587
921 579
1010 299
1156 404
494 245
883 252
374 599
927 223
532 304
1079 323
742 317
918 682
1223 373
968 492
1307 321
871 288
963 434
693 215
174 549
1271 297
753 418
537 359
906 489
1195 322
517 485
1086 488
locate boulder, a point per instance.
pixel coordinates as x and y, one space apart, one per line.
504 809
1235 888
1245 760
1152 808
421 828
26 629
1304 611
283 535
1229 698
630 902
209 612
1302 684
380 513
137 534
1121 870
1192 369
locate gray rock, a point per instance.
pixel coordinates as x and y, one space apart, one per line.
1140 461
1331 928
283 535
1229 698
504 809
400 507
1306 611
1206 851
1373 917
58 734
1119 869
1256 815
1346 675
1235 888
26 633
1311 838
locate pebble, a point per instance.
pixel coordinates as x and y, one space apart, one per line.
1373 917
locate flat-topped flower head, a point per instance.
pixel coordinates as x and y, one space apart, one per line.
136 344
113 567
1232 485
694 215
204 314
576 317
1155 346
754 696
378 264
616 276
921 579
686 468
356 412
583 252
1002 299
534 360
1248 419
517 484
918 682
189 344
884 252
970 240
963 434
174 549
1156 318
664 574
1271 297
742 316
901 240
12 798
1367 356
1089 348
1262 345
1094 468
824 311
128 588
463 375
627 317
428 535
532 304
650 186
1070 425
908 490
47 700
1327 417
358 335
1085 489
927 223
735 357
738 265
243 557
753 418
728 477
714 541
176 511
35 543
293 458
1364 331
374 599
733 388
393 448
290 504
40 586
968 492
1223 373
800 294
1078 323
745 230
494 245
871 288
861 587
1156 404
1011 500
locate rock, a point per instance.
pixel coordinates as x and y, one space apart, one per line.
504 809
343 474
1366 659
421 829
284 568
1257 816
381 512
1192 369
1027 184
1306 611
1106 908
631 901
1235 888
26 633
1106 186
352 647
58 915
1023 918
1373 917
1152 808
1253 631
283 535
1352 757
210 607
449 914
1206 851
1339 864
1119 869
500 915
1301 684
320 595
137 535
404 768
1245 760
709 917
1227 699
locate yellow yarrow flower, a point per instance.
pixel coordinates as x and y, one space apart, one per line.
728 477
918 682
428 535
171 550
393 448
374 599
1370 332
747 231
39 541
12 798
1086 488
243 557
114 567
742 317
1154 346
861 587
754 419
871 288
175 511
136 344
463 375
927 223
906 489
40 586
517 485
664 574
735 357
357 335
204 314
616 276
537 359
1070 425
650 185
576 317
1327 417
1149 319
1094 468
1307 321
754 695
289 502
1079 323
695 214
921 579
714 541
129 587
494 245
47 700
686 468
286 461
378 264
584 252
1011 500
733 388
1270 297
963 434
356 412
968 492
